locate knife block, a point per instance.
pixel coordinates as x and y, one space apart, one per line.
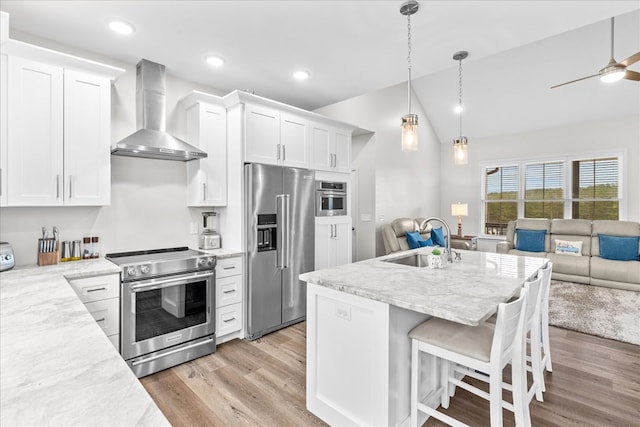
48 258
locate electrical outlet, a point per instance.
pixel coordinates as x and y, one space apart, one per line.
194 228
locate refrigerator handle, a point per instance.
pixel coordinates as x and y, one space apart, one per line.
282 225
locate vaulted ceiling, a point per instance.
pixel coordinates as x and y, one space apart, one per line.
517 50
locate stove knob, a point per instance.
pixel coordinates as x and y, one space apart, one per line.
211 262
145 268
132 271
202 262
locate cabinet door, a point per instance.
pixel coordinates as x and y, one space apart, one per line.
294 141
342 151
341 252
320 147
207 178
3 129
35 134
262 135
87 130
323 232
333 242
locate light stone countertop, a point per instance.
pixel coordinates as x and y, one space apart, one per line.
222 252
56 366
466 291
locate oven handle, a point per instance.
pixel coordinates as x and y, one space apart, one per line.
168 353
164 282
333 193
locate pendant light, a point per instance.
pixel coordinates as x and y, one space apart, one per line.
409 121
460 154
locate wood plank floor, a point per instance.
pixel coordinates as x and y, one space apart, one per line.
595 382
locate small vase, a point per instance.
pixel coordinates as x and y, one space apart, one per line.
434 261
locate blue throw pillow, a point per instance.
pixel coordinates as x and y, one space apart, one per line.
437 235
619 248
413 237
530 240
423 243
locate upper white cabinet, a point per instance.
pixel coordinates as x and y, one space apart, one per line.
207 130
275 137
330 148
35 133
57 134
3 129
87 130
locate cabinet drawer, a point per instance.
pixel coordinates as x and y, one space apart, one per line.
97 288
107 314
228 290
229 266
228 319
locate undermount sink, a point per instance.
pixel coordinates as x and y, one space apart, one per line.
414 260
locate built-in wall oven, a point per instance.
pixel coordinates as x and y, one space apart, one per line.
331 198
167 307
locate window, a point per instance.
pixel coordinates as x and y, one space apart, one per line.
585 188
501 198
595 189
544 190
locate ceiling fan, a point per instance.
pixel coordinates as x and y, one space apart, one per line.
614 70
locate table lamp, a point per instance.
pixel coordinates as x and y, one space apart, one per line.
459 210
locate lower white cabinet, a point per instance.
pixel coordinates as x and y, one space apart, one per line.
333 242
229 308
101 297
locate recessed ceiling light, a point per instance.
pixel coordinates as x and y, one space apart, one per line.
301 75
215 61
120 27
458 109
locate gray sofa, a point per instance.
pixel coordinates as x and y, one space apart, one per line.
395 239
589 268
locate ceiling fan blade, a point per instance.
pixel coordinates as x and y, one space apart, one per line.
573 81
631 60
632 75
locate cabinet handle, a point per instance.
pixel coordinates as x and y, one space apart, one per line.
229 320
96 289
229 292
229 268
284 153
204 191
331 159
100 320
278 151
70 187
0 181
57 186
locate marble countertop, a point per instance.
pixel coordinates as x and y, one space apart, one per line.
56 366
222 252
466 291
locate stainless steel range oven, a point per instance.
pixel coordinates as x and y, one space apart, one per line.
167 304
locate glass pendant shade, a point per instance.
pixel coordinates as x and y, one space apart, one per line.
460 154
410 132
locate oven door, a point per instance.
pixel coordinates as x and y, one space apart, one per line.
331 203
165 312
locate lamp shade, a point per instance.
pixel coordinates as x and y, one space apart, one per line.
459 209
410 132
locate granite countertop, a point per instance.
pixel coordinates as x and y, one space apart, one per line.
222 252
56 366
466 291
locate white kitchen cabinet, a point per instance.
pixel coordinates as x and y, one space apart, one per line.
58 140
35 134
4 84
229 297
87 145
330 148
275 137
101 297
207 130
332 241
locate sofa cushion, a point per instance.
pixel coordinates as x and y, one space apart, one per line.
585 239
571 227
619 248
612 228
569 264
401 226
615 271
568 247
530 240
535 224
437 236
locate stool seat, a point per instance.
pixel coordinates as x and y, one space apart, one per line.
471 341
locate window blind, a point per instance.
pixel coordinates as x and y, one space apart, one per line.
544 190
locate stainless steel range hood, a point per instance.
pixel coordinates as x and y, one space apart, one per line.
151 140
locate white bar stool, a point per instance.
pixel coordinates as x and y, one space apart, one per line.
544 320
480 348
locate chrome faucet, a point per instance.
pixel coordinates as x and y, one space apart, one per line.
448 240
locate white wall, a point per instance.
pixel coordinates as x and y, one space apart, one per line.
407 184
463 183
148 197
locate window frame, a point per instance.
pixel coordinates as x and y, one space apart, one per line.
568 199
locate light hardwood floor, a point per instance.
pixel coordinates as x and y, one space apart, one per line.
595 382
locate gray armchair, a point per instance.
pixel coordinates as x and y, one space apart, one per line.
395 239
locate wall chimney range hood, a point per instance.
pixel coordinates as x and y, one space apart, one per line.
151 139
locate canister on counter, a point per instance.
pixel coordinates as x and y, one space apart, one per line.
75 251
95 252
86 249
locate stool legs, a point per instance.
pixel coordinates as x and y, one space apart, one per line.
415 379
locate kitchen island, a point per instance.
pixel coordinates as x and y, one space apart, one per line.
57 366
358 317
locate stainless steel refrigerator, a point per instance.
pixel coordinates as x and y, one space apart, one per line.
280 245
